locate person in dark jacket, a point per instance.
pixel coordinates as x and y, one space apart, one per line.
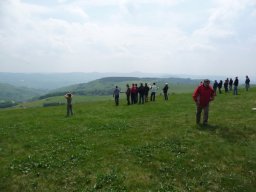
165 90
128 94
236 82
215 86
247 83
230 83
226 85
141 91
202 96
146 92
68 97
136 93
220 86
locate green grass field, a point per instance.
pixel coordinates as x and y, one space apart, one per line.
62 100
152 147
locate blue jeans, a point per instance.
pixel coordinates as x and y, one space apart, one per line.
141 98
117 99
235 90
247 87
153 96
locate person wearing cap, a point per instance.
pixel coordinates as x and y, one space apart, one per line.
202 96
165 90
68 97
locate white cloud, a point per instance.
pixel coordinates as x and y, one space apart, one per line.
126 35
253 13
78 11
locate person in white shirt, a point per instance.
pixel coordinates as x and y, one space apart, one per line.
153 92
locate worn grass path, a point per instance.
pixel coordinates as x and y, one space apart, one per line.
150 147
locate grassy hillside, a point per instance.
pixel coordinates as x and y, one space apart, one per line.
105 86
150 147
98 87
62 100
10 92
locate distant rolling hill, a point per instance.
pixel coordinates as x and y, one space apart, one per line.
51 81
99 87
9 92
105 86
47 81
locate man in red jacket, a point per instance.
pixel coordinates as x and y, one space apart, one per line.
202 95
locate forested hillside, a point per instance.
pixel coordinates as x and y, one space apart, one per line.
10 92
99 87
105 86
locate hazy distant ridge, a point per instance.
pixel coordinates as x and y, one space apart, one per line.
24 86
50 81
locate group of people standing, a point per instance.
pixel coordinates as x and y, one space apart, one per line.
140 95
134 95
202 95
205 93
230 85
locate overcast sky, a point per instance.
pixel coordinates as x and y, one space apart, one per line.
209 37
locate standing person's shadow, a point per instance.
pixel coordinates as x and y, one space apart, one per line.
207 127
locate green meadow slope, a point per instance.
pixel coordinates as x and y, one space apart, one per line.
10 92
60 100
150 147
105 86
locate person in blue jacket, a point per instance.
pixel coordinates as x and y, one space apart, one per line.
116 95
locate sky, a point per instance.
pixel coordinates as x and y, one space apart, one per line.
197 37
